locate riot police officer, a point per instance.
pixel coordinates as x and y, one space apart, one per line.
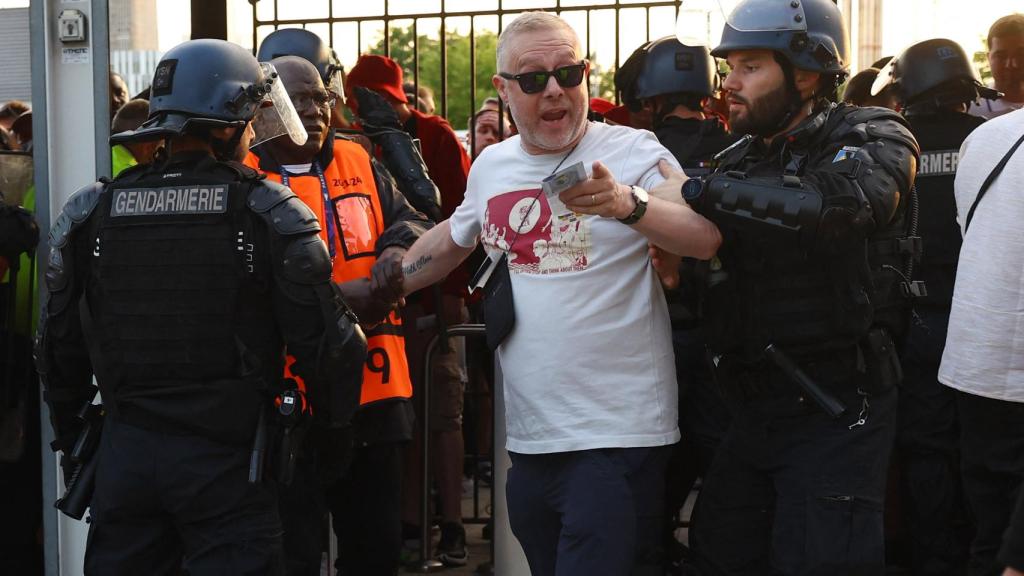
178 286
934 83
672 85
803 304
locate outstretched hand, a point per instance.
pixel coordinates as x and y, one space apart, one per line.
671 188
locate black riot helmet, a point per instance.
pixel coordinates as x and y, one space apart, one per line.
671 67
626 76
809 34
307 45
934 74
202 83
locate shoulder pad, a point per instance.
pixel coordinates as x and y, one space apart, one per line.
76 210
268 194
860 114
293 217
285 211
875 123
306 261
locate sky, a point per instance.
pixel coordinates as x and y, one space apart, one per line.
903 21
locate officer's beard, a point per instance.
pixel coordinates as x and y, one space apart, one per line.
763 116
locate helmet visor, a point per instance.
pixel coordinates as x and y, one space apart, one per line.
335 82
700 22
768 16
276 116
885 77
15 176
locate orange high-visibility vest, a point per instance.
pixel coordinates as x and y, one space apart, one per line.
359 221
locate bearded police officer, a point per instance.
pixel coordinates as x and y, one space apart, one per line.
934 83
178 286
803 305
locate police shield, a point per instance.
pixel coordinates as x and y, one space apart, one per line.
277 116
15 176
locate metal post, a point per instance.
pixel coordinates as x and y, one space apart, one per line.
425 564
71 103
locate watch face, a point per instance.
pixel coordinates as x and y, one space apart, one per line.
692 189
641 194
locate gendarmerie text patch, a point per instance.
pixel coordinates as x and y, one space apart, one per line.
170 200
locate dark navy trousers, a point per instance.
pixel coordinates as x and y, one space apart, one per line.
589 512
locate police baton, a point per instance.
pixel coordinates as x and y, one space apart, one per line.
827 402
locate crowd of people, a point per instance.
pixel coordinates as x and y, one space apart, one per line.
761 279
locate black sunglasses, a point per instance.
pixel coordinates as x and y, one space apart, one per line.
534 82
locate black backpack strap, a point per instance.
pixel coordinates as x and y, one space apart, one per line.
988 182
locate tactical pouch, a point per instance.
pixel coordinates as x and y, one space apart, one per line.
499 311
881 362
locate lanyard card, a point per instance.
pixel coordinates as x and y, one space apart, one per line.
560 181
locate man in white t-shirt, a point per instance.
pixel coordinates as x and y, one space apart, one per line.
984 355
590 386
1006 60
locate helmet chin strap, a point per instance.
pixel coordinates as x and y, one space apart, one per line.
795 102
224 150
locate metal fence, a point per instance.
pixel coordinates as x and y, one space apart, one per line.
357 26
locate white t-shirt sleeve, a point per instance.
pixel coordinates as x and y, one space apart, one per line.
465 222
641 165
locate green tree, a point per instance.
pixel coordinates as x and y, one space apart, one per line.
459 79
980 60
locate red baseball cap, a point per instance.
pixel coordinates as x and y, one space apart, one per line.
601 106
618 115
378 73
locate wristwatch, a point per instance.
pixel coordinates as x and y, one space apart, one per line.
692 190
640 200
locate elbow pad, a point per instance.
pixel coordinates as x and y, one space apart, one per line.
343 353
786 208
400 154
402 158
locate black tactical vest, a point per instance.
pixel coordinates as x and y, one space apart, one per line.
809 302
940 136
178 299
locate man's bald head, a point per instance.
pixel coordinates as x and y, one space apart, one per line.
312 103
294 69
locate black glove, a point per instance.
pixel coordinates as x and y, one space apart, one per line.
335 447
375 113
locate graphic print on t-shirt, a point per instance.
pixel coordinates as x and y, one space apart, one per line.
544 245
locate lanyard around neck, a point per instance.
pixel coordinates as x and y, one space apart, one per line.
332 231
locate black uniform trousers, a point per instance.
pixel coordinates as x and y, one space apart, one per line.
366 508
167 502
703 421
793 492
927 452
992 464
